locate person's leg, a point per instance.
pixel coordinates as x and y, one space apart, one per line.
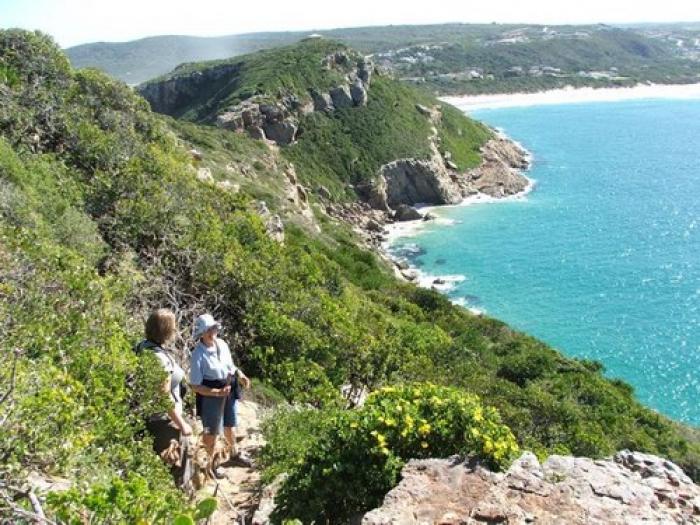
230 435
230 423
209 441
212 423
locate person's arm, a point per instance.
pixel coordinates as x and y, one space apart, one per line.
243 378
180 422
211 392
174 414
233 369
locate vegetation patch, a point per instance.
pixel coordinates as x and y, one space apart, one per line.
359 453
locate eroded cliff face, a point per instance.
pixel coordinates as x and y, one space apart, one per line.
167 96
265 117
437 180
278 120
629 488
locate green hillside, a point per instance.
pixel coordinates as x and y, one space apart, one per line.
102 218
344 147
441 56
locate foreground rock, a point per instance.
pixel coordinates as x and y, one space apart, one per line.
630 488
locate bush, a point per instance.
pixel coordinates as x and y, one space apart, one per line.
354 457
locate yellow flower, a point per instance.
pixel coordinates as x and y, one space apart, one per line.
390 422
424 444
424 429
478 414
353 424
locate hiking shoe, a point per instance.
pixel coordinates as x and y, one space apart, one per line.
243 460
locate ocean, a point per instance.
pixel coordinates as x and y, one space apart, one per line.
602 259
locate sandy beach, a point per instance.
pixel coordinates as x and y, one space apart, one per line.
570 95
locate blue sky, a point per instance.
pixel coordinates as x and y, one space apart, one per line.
74 22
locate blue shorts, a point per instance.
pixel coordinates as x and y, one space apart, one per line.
217 413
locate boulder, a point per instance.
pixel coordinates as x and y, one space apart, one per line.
227 185
364 71
402 264
341 97
424 110
373 226
411 181
358 93
409 275
407 213
275 228
324 192
628 488
204 175
281 132
256 132
376 195
322 101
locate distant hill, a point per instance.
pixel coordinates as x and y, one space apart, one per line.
448 58
140 60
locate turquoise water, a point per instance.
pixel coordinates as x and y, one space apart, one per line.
602 259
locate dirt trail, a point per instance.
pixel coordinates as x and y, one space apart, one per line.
238 493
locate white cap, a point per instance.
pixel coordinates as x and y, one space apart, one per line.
203 323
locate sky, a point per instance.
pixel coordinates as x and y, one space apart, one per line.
73 22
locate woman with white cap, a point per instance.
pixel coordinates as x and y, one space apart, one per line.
212 376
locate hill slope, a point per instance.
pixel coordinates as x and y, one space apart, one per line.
103 217
339 120
467 58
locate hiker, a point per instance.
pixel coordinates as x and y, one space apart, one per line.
215 379
160 331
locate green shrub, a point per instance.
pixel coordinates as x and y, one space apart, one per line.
354 457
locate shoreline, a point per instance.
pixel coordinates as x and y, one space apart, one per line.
410 228
406 271
571 95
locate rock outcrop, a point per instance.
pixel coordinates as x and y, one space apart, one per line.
411 181
168 95
627 489
499 173
274 116
278 121
436 180
273 223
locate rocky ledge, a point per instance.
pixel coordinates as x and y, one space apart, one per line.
437 180
278 121
629 488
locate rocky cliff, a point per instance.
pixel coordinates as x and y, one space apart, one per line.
270 116
168 95
437 180
627 489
